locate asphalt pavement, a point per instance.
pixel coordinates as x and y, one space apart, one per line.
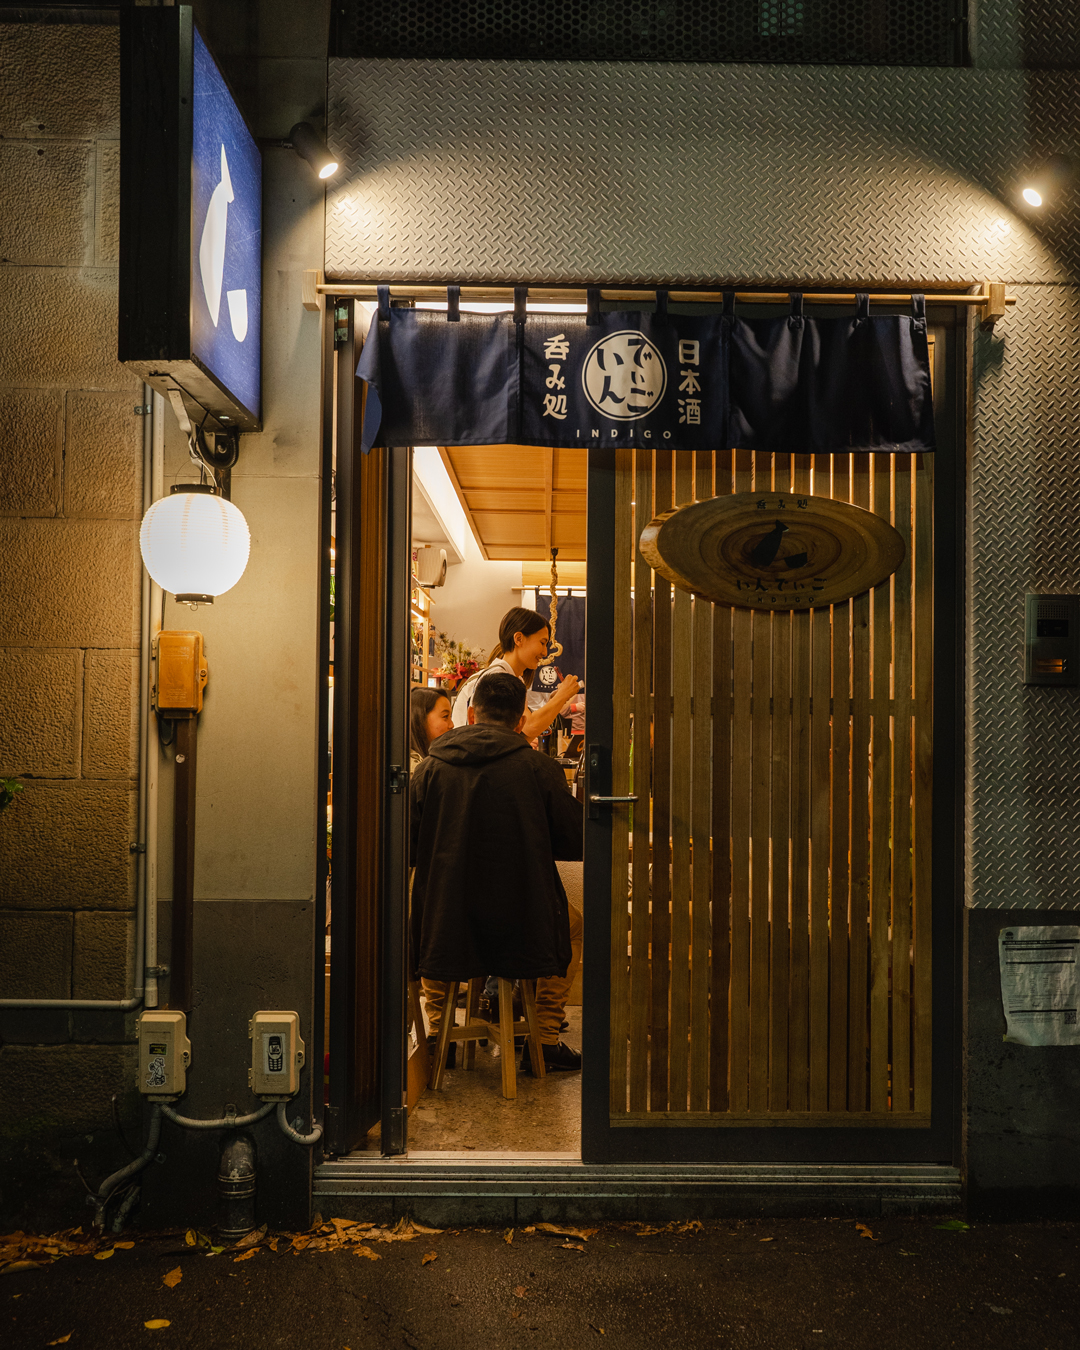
798 1284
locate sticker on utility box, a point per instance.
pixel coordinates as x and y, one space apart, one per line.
273 1052
1040 984
155 1064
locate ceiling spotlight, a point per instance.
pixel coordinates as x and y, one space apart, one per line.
309 145
1048 180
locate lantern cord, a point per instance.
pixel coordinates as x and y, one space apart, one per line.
554 648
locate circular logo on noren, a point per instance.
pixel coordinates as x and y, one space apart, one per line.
624 376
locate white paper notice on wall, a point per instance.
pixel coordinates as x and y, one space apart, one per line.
1040 985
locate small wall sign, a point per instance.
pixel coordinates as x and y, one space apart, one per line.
772 550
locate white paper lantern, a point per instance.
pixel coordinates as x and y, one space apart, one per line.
194 543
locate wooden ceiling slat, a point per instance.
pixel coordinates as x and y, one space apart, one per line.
522 501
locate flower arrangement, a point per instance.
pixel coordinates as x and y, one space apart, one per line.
456 661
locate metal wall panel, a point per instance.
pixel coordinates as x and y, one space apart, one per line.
566 173
1023 534
573 172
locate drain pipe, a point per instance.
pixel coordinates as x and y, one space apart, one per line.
146 970
236 1187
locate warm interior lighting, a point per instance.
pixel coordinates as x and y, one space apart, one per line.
194 544
1032 197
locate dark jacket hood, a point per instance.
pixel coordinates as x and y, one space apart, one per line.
476 744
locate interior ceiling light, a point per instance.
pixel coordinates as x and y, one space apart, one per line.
309 145
194 543
1048 180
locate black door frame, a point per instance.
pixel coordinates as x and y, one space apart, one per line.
352 1109
600 1141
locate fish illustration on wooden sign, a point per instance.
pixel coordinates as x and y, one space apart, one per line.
772 550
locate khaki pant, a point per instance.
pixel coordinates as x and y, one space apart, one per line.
551 993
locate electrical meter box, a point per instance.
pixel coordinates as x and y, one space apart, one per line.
164 1055
181 673
1052 639
277 1054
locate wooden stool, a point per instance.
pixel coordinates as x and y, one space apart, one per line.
501 1032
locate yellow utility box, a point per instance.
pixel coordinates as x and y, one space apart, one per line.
277 1055
164 1054
181 673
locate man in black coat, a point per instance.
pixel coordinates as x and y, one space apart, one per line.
490 816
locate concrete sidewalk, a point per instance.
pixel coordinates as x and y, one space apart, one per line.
799 1284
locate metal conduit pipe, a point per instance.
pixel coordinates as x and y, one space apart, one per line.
286 1128
224 1123
145 919
105 1191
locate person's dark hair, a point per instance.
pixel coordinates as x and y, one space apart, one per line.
421 703
516 620
500 699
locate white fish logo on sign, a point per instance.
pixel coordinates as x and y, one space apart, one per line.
212 256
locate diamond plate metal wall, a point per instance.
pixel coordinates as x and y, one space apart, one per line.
562 173
1024 535
573 172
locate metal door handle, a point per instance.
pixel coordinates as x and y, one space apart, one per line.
594 798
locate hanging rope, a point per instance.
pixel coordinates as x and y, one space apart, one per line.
554 648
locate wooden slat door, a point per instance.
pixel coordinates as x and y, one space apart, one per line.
770 940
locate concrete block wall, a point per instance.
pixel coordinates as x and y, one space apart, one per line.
70 504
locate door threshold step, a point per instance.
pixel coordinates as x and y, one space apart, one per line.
516 1189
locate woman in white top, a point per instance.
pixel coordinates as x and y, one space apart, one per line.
523 644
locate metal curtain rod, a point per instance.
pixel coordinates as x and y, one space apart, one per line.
549 295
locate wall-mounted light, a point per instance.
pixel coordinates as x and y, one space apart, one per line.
194 543
1047 180
309 145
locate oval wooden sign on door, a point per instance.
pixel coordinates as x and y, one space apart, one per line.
772 550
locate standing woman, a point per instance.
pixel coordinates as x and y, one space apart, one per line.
429 717
523 644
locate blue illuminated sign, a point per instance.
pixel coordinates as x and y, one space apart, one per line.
226 263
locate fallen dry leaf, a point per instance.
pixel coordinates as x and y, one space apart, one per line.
561 1230
104 1256
520 1291
14 1266
124 1246
300 1242
573 1246
508 1236
531 1229
648 1232
250 1239
61 1340
769 1239
190 1237
599 1330
157 1324
865 1232
246 1256
515 1312
173 1278
366 1251
428 1257
418 1227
